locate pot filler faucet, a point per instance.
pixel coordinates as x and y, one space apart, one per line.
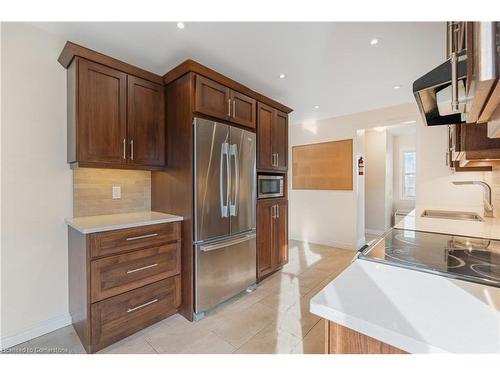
488 207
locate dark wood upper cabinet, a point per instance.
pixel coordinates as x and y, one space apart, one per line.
272 138
265 119
243 109
211 98
272 235
115 120
279 140
216 100
146 122
101 116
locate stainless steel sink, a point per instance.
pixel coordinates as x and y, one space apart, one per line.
453 215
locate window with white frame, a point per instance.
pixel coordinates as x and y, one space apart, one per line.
409 172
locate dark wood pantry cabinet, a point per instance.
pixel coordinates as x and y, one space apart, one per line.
272 236
272 138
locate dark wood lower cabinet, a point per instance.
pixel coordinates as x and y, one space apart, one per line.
272 236
113 296
342 340
118 317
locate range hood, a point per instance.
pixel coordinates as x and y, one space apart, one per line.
464 88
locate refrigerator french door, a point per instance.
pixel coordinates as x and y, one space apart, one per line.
224 212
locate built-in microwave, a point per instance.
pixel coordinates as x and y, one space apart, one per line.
270 186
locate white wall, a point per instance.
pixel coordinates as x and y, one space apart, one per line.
335 217
375 180
434 187
36 185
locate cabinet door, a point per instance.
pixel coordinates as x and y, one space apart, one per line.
102 101
265 120
243 109
211 98
146 123
281 230
279 140
265 237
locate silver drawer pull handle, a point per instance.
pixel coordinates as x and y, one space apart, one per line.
142 268
139 237
129 310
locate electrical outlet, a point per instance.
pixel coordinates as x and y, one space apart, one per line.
117 192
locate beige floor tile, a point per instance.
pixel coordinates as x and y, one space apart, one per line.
297 320
209 344
239 328
129 346
269 340
62 341
282 300
314 342
243 302
312 277
181 337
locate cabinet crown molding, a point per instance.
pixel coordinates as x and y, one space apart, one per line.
71 50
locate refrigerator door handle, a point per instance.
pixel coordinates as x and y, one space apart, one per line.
228 178
223 152
233 151
223 244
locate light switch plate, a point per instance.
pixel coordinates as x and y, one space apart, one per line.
117 192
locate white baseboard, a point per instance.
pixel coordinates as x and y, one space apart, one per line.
375 232
34 331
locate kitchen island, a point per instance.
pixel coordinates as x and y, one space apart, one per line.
381 308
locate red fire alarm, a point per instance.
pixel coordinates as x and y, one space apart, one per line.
361 166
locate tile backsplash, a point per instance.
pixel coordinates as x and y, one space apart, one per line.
92 191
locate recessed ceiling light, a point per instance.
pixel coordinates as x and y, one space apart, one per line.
316 106
396 87
374 41
282 75
180 25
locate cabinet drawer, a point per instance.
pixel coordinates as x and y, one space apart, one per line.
120 273
120 316
116 241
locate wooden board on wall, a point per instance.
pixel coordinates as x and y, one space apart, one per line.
323 166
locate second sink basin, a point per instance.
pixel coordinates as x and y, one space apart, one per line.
454 215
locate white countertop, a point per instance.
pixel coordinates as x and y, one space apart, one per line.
489 228
415 311
102 223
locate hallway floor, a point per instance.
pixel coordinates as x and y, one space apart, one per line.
275 318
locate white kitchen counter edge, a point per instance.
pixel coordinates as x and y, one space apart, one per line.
385 335
103 223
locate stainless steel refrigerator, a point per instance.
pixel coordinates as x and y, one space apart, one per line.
224 212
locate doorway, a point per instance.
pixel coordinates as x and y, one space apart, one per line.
389 176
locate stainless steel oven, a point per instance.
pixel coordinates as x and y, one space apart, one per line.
270 186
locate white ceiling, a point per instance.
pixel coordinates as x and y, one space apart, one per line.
328 64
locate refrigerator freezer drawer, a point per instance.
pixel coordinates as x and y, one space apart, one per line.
224 269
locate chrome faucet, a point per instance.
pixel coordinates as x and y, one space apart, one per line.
488 206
